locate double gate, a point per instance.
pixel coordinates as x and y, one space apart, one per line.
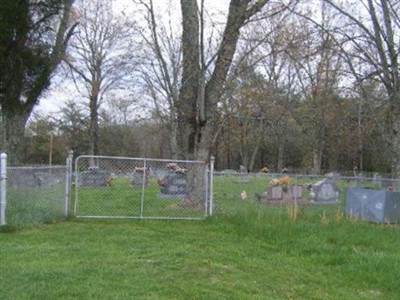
123 187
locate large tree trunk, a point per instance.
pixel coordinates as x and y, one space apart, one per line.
281 149
94 126
188 95
197 104
14 130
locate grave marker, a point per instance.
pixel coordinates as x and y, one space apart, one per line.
173 184
326 192
94 178
276 193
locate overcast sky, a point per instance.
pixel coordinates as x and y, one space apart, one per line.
61 91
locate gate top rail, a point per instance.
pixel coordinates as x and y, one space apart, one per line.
141 159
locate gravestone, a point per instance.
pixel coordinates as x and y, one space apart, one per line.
297 192
21 179
326 191
378 206
44 179
139 179
276 193
24 179
94 178
173 184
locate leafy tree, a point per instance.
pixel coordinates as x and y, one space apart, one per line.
43 142
33 39
73 125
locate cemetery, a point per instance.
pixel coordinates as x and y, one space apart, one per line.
142 103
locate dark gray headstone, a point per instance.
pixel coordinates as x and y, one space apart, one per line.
22 178
378 206
326 192
94 178
174 184
139 179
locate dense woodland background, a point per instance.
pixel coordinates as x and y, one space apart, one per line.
308 85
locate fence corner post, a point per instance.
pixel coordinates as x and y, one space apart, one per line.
211 196
68 182
3 188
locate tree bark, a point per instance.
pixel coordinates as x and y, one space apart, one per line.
197 103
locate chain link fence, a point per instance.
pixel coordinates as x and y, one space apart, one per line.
372 198
118 187
32 195
121 187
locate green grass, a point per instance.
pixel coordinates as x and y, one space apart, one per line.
258 253
123 200
27 207
246 251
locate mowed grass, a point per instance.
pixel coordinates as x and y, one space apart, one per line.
260 252
246 251
121 199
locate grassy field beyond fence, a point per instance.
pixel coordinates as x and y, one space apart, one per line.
260 252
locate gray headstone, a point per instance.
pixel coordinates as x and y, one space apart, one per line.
174 184
94 178
326 192
276 193
297 192
139 179
22 178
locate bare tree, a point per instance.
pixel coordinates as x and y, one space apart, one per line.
159 70
315 54
99 58
374 42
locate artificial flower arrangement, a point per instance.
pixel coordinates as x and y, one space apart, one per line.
284 182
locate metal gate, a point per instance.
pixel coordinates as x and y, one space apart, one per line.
123 187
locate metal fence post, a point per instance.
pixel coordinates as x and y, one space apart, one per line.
68 181
3 186
211 207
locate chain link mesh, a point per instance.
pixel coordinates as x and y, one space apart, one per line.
140 188
235 191
35 195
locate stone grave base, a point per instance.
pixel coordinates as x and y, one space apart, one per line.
171 196
286 199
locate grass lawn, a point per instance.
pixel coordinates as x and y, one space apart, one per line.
258 252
